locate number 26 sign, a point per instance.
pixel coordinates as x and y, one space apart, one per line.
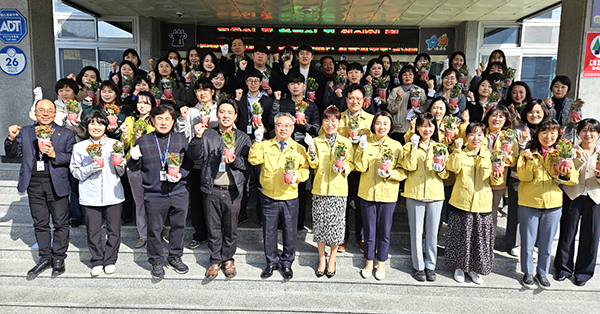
12 60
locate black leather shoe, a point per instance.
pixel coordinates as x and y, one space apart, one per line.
288 273
58 268
268 271
580 283
560 277
39 268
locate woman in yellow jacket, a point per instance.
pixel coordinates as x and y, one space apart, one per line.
540 199
470 234
497 120
424 192
354 99
330 155
129 134
379 186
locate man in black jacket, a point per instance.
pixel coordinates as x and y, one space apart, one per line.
232 65
224 175
305 57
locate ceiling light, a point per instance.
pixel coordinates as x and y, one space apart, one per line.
306 10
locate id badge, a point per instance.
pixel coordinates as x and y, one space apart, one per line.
163 175
249 129
40 165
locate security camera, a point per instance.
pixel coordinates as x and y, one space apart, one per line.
179 14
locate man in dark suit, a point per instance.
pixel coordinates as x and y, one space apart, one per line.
305 57
232 65
44 176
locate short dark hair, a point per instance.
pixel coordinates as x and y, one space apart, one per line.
133 52
305 47
204 83
387 115
442 99
253 73
158 73
473 126
79 76
424 117
563 79
323 58
158 110
423 54
512 86
354 87
97 116
449 71
331 112
68 83
504 110
457 53
354 66
296 77
530 106
131 65
139 78
227 102
591 122
135 113
548 124
213 59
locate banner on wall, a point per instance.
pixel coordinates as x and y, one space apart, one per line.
437 41
177 36
591 65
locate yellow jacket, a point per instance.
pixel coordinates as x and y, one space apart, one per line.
364 123
373 187
538 188
422 182
129 140
472 191
511 161
327 182
269 155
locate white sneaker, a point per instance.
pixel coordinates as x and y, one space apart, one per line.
459 275
109 269
475 277
96 271
516 251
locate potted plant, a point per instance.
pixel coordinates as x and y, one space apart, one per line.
563 156
204 111
112 111
156 93
386 160
173 164
289 171
439 153
117 153
340 155
168 83
454 95
576 110
509 76
311 88
73 109
339 80
507 137
498 162
300 107
415 98
424 70
264 84
462 77
368 95
257 112
397 68
229 142
353 127
126 89
141 127
90 89
381 88
450 127
95 151
197 75
43 134
492 101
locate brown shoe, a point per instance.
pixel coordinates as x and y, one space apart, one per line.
229 269
342 248
361 245
212 271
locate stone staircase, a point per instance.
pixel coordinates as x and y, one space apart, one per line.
131 289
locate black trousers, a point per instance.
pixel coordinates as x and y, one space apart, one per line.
272 211
158 208
93 221
44 202
513 236
301 204
222 208
197 215
582 208
128 208
353 183
254 174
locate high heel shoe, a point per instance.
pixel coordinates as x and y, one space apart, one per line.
331 274
320 273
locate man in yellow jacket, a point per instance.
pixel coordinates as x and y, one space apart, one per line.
284 163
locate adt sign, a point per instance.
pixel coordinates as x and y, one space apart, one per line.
13 26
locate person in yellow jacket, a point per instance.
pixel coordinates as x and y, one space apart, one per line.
354 99
331 156
497 120
379 159
284 163
540 199
470 234
129 134
424 192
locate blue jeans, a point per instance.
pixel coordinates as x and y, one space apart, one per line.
541 225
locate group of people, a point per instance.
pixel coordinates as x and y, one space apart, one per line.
199 133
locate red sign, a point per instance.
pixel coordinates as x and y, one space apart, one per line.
591 65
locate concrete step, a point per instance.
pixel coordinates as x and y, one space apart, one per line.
9 171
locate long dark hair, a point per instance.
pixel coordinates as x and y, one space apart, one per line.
179 68
509 101
549 124
484 79
427 117
112 85
79 76
442 99
135 113
529 107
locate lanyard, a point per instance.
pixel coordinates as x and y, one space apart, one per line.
163 159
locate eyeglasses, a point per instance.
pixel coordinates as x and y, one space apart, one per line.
161 119
42 111
498 116
284 125
257 81
354 99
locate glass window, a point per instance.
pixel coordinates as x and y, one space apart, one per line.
73 60
501 35
538 73
106 57
540 34
111 29
553 14
71 28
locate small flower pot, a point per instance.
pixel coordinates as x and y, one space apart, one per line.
415 102
300 116
565 162
508 82
339 163
117 158
112 120
340 86
157 102
453 103
353 133
72 116
137 135
575 115
90 94
381 92
264 84
257 119
424 74
229 152
489 106
506 147
450 133
205 120
367 102
439 159
462 80
498 167
310 96
288 177
99 160
173 171
168 93
126 90
43 142
385 165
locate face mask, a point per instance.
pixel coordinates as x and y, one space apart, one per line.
174 62
496 76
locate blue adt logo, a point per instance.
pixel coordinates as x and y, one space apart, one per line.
13 26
